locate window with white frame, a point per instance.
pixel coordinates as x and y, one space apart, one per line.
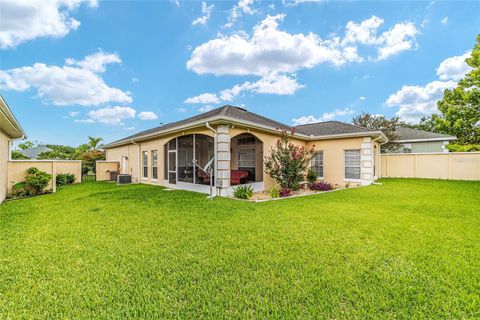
352 164
145 164
317 163
407 148
154 164
246 158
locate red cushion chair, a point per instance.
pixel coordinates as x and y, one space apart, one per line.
236 176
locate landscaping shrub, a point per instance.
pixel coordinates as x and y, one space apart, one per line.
287 163
65 178
285 192
36 180
19 190
243 192
321 186
311 176
463 148
274 192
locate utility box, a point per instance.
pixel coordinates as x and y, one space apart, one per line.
124 179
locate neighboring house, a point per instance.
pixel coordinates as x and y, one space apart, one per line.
10 130
238 141
34 152
420 141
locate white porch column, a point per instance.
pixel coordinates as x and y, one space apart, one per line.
366 161
223 156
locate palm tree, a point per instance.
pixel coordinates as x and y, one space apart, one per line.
94 142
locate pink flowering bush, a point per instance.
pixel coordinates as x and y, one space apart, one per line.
287 163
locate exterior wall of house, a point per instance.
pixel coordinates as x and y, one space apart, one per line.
17 170
432 146
4 148
134 163
454 165
334 159
103 168
333 155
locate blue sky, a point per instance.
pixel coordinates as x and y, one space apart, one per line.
70 69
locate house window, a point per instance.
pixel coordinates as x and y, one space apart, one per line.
407 148
352 164
154 164
145 164
246 162
317 163
246 140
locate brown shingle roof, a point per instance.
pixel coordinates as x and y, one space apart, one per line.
231 112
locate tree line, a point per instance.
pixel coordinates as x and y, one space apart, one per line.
458 113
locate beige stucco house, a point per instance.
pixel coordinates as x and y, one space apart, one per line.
235 141
10 130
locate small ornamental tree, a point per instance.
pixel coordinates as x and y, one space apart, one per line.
287 163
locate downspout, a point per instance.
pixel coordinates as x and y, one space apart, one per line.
139 160
214 152
379 160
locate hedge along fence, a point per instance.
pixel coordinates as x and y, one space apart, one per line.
17 170
103 168
454 166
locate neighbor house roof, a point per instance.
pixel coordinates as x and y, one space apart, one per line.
8 122
416 135
330 128
34 152
241 116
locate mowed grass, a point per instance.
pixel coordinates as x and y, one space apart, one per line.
405 249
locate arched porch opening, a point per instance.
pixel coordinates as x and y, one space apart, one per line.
184 158
246 164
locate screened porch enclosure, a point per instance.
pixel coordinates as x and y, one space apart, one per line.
246 159
180 156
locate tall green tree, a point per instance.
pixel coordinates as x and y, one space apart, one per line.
26 145
381 123
94 142
460 107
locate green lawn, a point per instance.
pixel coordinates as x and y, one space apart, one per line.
404 249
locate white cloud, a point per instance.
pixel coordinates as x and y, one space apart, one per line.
95 62
111 116
242 7
206 12
444 20
297 2
128 128
362 98
181 110
23 20
77 82
454 68
327 116
135 80
279 84
364 32
147 115
415 102
73 113
270 50
400 38
84 121
203 98
205 109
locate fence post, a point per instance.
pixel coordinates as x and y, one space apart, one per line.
54 176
